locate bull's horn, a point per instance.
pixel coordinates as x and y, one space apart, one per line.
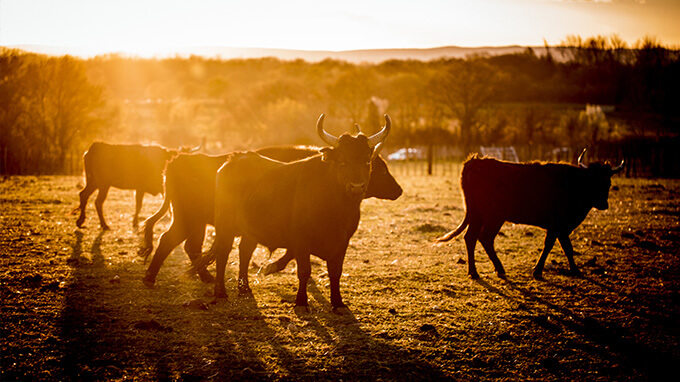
380 136
358 128
328 138
376 150
200 147
580 159
618 168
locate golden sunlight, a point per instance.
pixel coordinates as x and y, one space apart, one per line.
158 27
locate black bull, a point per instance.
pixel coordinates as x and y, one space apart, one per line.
128 167
309 207
190 189
556 197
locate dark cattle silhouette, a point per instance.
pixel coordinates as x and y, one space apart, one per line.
382 186
311 206
128 167
553 196
190 189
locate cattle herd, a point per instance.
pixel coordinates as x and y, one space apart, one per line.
307 200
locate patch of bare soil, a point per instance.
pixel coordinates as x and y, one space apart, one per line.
74 306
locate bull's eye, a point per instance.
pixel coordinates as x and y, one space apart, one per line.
342 163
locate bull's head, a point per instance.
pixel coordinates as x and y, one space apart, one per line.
600 175
351 156
382 184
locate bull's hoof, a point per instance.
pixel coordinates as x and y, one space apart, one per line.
538 276
106 228
341 310
220 295
149 281
243 286
474 276
80 222
575 272
501 275
206 277
245 291
144 252
302 310
269 269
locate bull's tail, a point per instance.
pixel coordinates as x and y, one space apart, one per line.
208 257
450 235
147 226
151 221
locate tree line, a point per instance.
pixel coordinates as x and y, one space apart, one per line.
595 92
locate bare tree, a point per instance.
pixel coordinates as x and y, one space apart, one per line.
352 92
55 106
463 90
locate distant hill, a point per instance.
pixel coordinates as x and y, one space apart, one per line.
353 56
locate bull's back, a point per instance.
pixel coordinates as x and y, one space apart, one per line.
288 153
278 205
130 167
381 185
532 193
239 186
190 185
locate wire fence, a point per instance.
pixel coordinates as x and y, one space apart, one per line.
643 158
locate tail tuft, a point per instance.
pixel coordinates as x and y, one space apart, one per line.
450 235
202 262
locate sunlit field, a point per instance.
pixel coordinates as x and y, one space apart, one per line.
74 306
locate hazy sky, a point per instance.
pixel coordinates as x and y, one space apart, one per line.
144 26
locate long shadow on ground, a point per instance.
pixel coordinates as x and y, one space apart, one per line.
581 332
114 328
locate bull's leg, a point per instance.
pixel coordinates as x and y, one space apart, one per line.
334 267
99 204
84 196
193 247
304 272
486 237
471 237
279 264
147 246
569 251
221 248
139 198
245 254
549 242
169 240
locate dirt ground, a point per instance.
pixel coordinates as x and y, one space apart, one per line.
74 306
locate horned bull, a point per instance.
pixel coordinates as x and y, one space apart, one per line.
190 190
554 196
309 207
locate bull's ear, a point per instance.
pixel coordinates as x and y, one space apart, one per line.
327 152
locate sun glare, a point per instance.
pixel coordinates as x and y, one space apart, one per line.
157 27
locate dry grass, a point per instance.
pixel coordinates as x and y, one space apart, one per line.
74 307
